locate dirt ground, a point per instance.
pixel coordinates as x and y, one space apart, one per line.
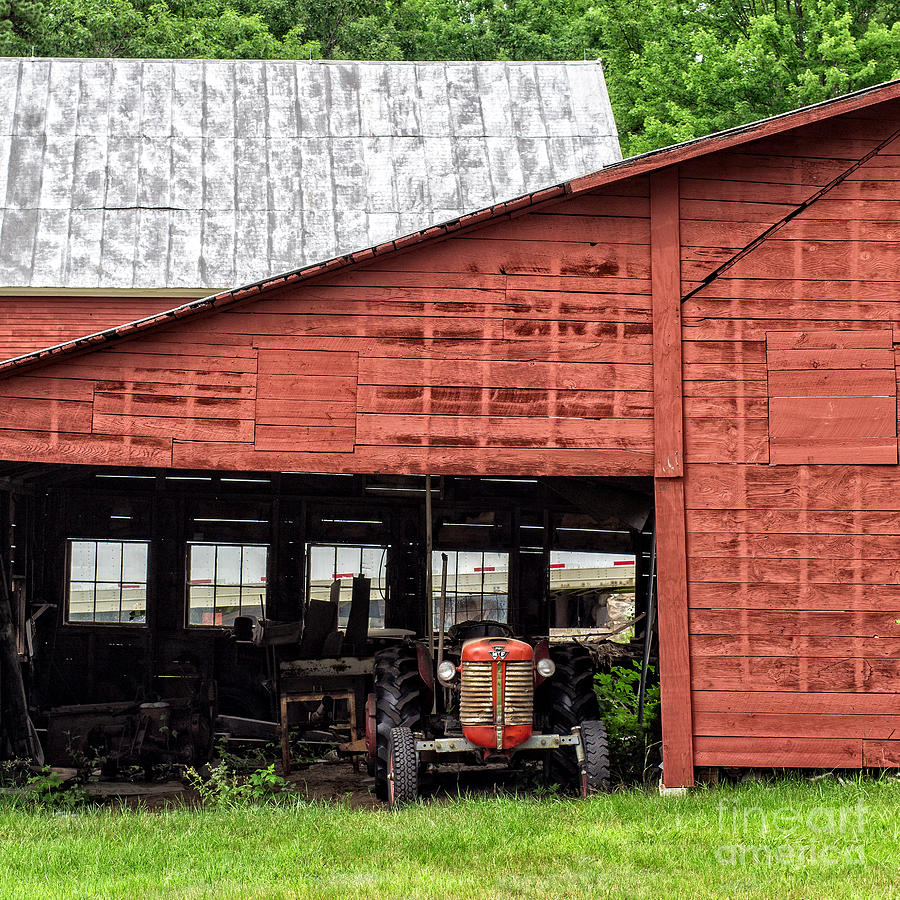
331 782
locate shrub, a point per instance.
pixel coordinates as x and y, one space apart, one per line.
634 747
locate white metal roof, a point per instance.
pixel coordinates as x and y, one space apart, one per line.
203 174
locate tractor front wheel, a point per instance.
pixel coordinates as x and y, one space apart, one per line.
568 699
595 765
403 768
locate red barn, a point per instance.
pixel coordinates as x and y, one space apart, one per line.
714 321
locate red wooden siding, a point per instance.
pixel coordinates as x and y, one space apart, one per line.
794 569
524 346
832 396
32 323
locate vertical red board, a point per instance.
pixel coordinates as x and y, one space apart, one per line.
675 674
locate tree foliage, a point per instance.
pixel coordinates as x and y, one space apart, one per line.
676 69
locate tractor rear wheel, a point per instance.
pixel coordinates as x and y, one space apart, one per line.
569 700
403 768
595 773
398 703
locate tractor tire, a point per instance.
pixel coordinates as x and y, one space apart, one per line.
398 704
595 777
569 700
403 769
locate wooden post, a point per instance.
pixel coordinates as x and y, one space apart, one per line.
674 652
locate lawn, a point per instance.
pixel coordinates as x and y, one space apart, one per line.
788 838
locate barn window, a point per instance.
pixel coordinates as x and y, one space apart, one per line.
832 397
108 582
226 581
344 562
477 585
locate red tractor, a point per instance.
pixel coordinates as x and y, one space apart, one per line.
491 698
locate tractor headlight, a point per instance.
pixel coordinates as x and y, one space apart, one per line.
545 667
446 671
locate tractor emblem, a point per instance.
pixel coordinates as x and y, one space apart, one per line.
498 651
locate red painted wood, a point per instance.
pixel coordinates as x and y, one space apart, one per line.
828 646
794 725
675 661
832 359
766 595
778 623
825 339
811 753
798 702
666 282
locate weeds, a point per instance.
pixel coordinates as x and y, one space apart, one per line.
634 746
225 788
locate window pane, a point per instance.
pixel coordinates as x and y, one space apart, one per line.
109 561
200 604
228 565
321 564
203 564
83 555
135 563
107 602
254 572
134 604
81 601
347 564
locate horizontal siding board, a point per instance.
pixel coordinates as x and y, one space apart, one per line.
813 753
419 460
763 595
762 673
196 428
785 623
797 725
825 646
492 431
797 702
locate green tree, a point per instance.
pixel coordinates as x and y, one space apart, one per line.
676 69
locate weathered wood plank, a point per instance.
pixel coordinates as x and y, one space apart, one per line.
762 673
675 661
502 373
778 623
796 702
797 725
666 284
417 460
824 646
495 431
814 753
804 595
425 399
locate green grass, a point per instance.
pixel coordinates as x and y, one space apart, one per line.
786 839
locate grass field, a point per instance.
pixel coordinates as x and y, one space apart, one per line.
785 839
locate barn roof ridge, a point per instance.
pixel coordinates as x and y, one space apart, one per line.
627 168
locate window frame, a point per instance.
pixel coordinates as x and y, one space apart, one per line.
188 624
69 580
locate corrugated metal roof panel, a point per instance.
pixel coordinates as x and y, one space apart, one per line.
208 173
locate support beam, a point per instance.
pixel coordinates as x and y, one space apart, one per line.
672 597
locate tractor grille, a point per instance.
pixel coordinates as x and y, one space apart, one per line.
476 705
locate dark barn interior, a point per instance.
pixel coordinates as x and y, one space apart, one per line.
204 588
